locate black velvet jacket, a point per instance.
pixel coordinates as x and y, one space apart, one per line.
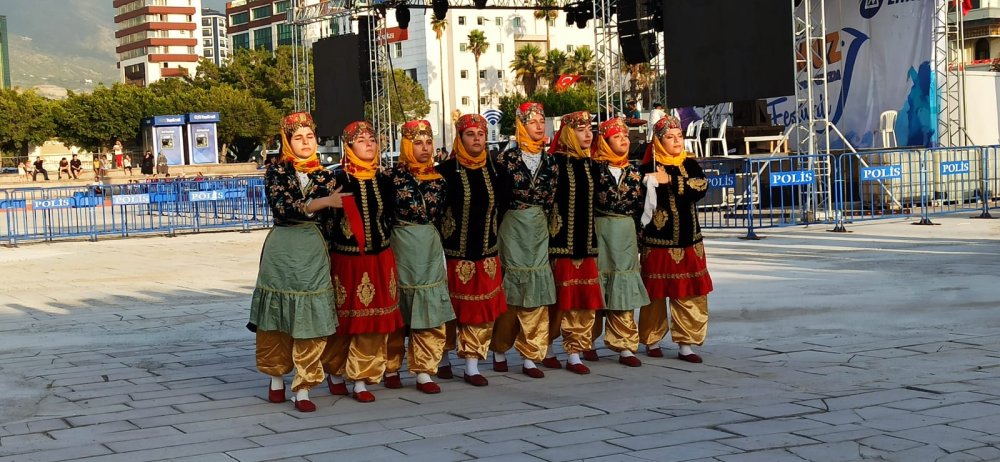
287 198
469 223
522 189
375 199
675 221
418 202
571 220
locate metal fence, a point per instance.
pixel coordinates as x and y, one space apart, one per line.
46 214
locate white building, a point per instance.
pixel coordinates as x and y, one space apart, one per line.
447 70
214 41
157 38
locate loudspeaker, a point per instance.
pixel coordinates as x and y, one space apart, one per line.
635 34
338 94
640 48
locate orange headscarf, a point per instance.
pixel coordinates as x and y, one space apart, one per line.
566 141
458 149
524 141
289 125
354 166
601 151
423 171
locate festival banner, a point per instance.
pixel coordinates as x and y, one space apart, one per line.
878 55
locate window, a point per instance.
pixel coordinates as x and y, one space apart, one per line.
480 20
499 48
465 100
569 48
982 50
206 22
464 74
499 21
461 20
463 47
499 74
285 34
206 32
482 74
412 73
282 6
483 100
516 22
262 39
239 18
209 53
206 43
260 12
398 48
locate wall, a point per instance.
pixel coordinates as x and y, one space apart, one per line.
983 105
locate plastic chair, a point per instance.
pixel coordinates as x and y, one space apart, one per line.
692 138
719 138
887 126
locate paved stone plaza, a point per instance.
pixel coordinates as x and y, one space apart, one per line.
882 344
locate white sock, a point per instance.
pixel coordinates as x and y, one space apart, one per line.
302 395
391 374
627 354
359 386
423 377
277 383
529 364
652 346
336 379
574 358
499 357
471 366
685 349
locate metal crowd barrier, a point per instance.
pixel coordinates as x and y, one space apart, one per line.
47 214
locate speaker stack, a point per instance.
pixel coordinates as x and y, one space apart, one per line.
636 30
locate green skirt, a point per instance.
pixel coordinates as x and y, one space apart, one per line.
524 253
423 286
294 293
618 263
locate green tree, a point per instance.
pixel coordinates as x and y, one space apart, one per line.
579 97
548 15
406 97
25 119
581 63
477 46
245 122
508 106
268 76
98 119
555 63
528 65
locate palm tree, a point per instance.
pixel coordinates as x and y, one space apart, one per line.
581 63
548 15
477 46
528 65
555 64
439 26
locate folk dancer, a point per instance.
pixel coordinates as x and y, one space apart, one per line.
363 269
673 257
292 307
469 231
529 178
618 204
423 284
573 244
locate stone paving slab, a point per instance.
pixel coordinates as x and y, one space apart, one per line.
822 347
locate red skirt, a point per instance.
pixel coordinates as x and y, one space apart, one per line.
675 272
366 293
476 290
578 286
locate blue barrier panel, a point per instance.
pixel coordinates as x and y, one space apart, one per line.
879 184
791 190
955 180
727 202
990 156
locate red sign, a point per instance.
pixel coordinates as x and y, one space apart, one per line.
393 35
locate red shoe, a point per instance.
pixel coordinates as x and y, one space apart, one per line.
630 361
430 388
364 397
578 368
304 405
337 388
276 396
499 366
591 355
654 352
552 363
393 381
691 358
476 380
444 372
533 372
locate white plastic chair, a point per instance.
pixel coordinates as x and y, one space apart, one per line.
719 138
887 127
692 138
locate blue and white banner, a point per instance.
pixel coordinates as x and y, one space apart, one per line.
878 55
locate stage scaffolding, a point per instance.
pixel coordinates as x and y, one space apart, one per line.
949 68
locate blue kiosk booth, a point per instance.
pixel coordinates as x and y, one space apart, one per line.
203 140
190 139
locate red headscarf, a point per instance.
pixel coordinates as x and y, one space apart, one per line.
566 141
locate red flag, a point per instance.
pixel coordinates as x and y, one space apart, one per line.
565 81
966 6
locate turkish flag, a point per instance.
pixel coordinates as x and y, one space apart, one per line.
966 6
565 81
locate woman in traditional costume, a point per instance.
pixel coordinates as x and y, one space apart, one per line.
292 309
673 263
363 269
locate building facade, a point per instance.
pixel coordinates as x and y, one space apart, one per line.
4 55
214 41
982 34
256 24
157 39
